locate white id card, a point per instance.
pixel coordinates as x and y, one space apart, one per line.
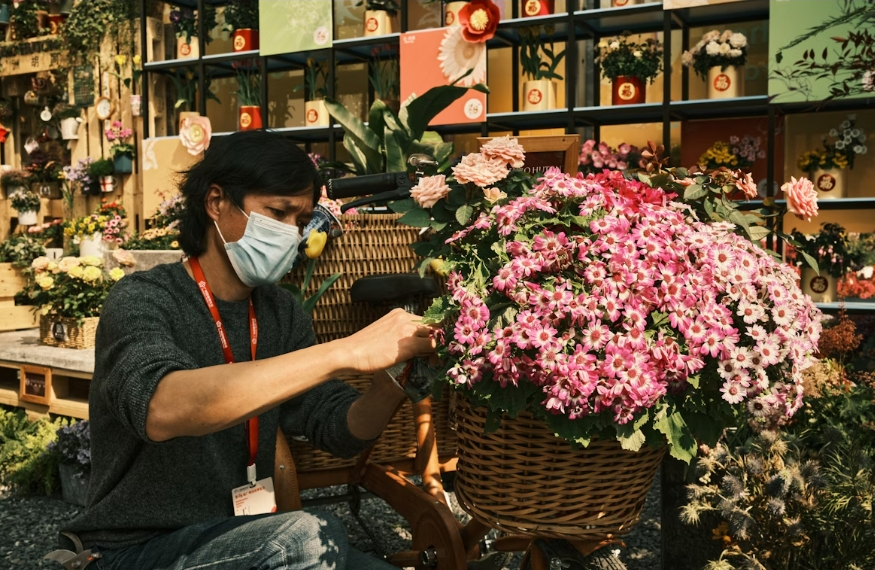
254 500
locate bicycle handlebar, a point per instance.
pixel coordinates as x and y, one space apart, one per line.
367 184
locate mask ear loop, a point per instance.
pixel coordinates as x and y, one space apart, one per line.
215 223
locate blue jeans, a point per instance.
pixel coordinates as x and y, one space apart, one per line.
298 540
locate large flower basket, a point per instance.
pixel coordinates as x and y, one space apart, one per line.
66 332
523 479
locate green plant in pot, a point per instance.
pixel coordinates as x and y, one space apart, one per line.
122 152
72 452
539 90
24 19
27 205
101 171
185 84
384 78
14 181
241 17
629 65
4 14
248 98
378 16
185 26
316 85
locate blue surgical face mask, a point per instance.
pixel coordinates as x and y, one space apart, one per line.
265 253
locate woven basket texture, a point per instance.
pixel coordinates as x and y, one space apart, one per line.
523 479
79 333
372 244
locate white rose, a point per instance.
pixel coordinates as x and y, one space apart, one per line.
615 45
735 53
637 53
738 40
712 48
711 36
724 49
725 36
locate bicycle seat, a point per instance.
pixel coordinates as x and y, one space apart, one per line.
392 288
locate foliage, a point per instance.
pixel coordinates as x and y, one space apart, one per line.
861 249
73 287
186 83
151 239
315 79
248 86
20 250
120 63
848 69
116 133
44 166
25 201
315 243
557 305
595 157
531 62
387 140
716 50
630 59
391 7
92 21
723 153
242 14
63 110
829 249
24 464
72 446
383 75
185 22
100 167
14 179
840 147
24 19
7 109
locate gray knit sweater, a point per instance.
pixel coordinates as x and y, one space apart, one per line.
153 323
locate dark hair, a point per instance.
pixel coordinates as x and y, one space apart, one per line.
247 162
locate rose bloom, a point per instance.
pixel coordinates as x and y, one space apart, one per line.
116 273
493 194
801 198
40 263
746 184
429 190
480 170
91 274
124 257
45 283
68 263
507 149
92 260
195 134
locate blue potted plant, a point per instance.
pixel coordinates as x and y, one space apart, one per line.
122 152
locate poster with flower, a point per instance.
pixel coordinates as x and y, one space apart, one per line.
454 56
289 26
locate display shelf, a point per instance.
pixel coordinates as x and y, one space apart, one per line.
852 104
508 32
721 14
849 306
638 18
754 105
309 134
73 407
354 50
557 118
829 204
618 114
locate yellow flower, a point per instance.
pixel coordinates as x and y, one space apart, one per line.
121 60
439 266
92 260
116 274
315 244
91 274
45 283
52 266
136 59
44 310
174 245
76 272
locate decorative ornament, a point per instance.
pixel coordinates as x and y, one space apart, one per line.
478 20
45 115
457 56
195 134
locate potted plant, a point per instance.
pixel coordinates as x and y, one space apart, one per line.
4 14
14 182
242 17
120 64
185 84
72 449
834 259
719 58
532 8
51 236
539 89
378 16
100 172
45 174
827 167
27 205
99 231
82 279
629 66
248 98
315 78
69 118
384 78
185 26
24 17
158 244
596 157
122 152
79 174
723 154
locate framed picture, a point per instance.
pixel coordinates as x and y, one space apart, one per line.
544 151
36 384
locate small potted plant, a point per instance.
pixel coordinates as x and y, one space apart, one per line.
27 205
629 66
596 157
248 98
831 252
69 118
45 174
99 231
101 171
719 58
79 174
4 14
384 78
242 17
120 65
122 152
532 8
72 449
14 182
539 89
185 26
315 79
828 167
25 19
378 16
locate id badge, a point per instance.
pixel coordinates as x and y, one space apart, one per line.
255 499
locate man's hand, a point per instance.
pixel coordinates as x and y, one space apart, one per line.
395 338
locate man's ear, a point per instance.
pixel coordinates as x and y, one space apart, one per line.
214 201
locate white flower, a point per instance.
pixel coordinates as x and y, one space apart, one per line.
869 81
865 148
840 145
734 52
712 48
861 138
711 36
603 44
846 124
458 56
738 40
724 49
855 133
857 149
615 45
687 59
637 53
724 37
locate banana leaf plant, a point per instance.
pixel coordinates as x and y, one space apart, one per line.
387 140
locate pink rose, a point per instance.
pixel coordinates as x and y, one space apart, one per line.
745 183
124 258
480 170
507 149
195 134
801 198
429 190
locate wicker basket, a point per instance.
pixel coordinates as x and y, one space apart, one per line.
68 333
372 244
523 479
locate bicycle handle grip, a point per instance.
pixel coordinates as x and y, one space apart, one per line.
366 184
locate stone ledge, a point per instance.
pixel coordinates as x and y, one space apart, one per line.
24 347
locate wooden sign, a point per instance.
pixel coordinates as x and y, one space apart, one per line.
21 64
543 152
36 384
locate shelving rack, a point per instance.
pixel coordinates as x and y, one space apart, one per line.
583 22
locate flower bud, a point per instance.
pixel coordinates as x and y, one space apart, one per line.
315 244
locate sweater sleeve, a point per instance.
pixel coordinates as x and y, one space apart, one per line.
320 414
135 349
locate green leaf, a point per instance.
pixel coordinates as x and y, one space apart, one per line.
437 311
396 161
464 213
376 123
681 443
707 429
758 233
812 263
644 178
738 218
359 160
310 303
694 192
418 218
632 442
367 141
402 206
426 107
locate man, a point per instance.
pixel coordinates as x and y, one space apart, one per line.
171 427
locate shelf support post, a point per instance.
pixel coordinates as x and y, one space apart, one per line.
145 75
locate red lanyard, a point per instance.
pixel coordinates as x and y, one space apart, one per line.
252 423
